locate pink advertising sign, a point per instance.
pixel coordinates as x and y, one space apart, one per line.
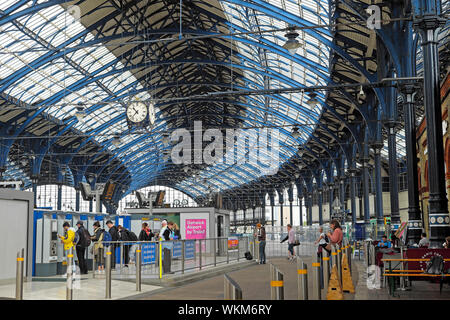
195 228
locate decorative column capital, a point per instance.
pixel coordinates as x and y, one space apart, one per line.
377 146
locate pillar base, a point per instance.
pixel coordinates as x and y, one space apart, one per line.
415 228
439 228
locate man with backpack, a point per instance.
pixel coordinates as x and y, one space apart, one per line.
114 237
126 235
84 241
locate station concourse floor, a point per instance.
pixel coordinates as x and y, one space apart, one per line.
255 279
88 289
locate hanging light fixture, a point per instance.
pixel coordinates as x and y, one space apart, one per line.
186 169
361 95
297 175
295 134
80 113
300 152
312 102
116 141
292 44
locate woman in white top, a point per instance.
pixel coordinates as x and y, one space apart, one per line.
322 241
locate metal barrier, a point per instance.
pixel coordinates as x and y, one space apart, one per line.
138 267
325 271
231 291
108 273
276 283
19 274
69 273
317 287
302 278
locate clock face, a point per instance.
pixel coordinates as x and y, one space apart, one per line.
137 112
151 113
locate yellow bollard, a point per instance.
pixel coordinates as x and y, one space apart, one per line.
347 283
334 287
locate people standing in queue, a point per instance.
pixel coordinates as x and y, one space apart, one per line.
291 241
146 234
97 248
84 241
163 228
68 240
176 232
260 234
114 237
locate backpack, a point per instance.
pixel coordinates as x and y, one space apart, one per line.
435 265
86 238
106 238
248 255
131 235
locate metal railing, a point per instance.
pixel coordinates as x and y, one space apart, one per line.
232 291
151 259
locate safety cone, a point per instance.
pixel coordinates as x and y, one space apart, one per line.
347 282
334 287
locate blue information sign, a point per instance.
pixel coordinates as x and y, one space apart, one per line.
148 253
189 249
177 246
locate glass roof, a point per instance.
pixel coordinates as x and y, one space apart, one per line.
62 74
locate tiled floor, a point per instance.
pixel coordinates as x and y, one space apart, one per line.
84 289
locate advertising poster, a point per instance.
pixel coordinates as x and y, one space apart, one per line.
195 230
233 243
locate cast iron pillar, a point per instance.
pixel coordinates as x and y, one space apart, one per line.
59 197
428 22
414 228
352 179
309 210
300 205
320 193
378 189
77 199
331 193
393 173
365 178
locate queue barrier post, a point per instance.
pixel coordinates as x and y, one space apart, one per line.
302 280
69 274
317 287
108 272
232 291
19 274
138 267
276 283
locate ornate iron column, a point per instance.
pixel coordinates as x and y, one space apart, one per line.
378 189
320 193
59 197
342 191
352 172
291 200
414 214
309 208
427 22
77 199
331 193
365 178
272 205
300 204
393 172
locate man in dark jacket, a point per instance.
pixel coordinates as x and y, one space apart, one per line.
114 237
81 248
123 233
